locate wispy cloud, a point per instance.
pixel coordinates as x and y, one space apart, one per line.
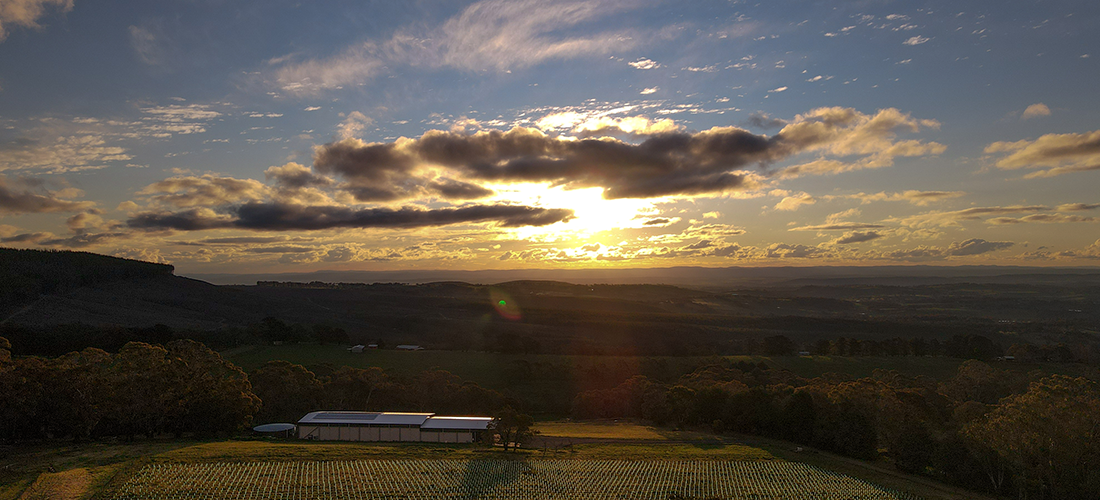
26 13
496 35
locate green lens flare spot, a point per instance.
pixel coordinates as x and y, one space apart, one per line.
502 303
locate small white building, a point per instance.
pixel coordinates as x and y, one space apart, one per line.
390 427
356 348
409 347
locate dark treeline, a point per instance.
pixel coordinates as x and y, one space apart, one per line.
25 274
184 387
984 429
61 339
957 346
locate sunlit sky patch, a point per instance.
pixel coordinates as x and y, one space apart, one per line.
286 136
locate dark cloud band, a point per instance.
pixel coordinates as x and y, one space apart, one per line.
288 217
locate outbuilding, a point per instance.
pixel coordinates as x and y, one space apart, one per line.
391 427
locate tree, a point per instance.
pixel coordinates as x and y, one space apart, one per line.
142 393
778 345
214 395
287 391
1048 436
512 428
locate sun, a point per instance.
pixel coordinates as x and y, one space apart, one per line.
593 214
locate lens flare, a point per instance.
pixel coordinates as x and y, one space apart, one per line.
504 304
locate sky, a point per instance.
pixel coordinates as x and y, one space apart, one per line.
265 136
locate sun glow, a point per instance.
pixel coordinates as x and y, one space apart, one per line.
593 213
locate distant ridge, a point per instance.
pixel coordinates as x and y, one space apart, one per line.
698 276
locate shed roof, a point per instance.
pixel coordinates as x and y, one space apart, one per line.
464 423
364 418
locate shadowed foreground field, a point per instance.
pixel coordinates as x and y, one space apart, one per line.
498 479
603 460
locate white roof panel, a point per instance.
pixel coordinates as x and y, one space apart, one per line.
364 418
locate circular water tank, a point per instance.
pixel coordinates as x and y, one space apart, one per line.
273 427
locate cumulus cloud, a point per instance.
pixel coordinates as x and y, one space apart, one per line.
1054 154
26 13
1035 110
844 132
488 35
287 217
26 196
664 164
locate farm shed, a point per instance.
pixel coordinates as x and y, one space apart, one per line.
390 426
454 429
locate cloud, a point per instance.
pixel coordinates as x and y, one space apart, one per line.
644 63
635 127
27 196
145 44
1035 110
1056 154
705 231
60 153
1077 207
779 89
920 198
288 217
26 13
665 164
294 175
952 218
206 191
915 40
975 246
791 203
857 237
353 124
838 226
762 120
792 251
488 35
649 90
1042 218
845 132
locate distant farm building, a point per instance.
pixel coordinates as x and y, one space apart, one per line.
390 426
356 348
409 347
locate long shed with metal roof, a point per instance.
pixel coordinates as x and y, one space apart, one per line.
390 426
